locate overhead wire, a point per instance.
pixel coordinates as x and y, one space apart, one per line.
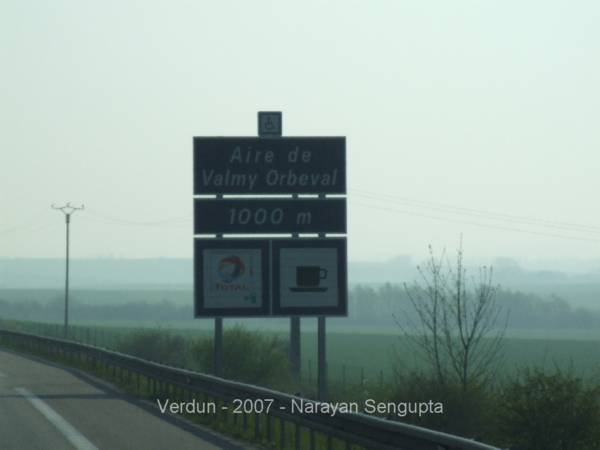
481 214
384 202
111 220
31 224
477 224
33 228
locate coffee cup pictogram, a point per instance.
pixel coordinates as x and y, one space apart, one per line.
308 279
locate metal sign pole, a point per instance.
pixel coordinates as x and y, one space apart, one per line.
295 348
270 125
218 352
322 360
321 349
218 337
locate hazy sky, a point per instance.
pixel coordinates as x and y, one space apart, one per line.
478 117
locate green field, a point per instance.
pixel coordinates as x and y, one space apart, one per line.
362 354
374 355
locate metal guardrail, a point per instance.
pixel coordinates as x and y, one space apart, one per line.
352 429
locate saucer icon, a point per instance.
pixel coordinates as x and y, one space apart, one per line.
308 279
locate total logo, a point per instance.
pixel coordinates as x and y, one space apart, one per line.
233 273
231 268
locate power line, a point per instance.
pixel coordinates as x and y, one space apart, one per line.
503 217
119 221
499 221
497 227
137 225
33 228
31 223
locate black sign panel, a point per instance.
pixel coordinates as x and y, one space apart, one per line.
269 216
231 277
253 165
309 277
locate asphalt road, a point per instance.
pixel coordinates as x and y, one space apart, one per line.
46 407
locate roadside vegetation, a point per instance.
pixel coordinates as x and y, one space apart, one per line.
451 348
535 408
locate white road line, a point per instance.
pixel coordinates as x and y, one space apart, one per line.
74 436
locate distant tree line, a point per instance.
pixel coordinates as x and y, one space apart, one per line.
368 305
526 310
53 311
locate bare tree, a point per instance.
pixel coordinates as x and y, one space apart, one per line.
471 323
426 332
457 329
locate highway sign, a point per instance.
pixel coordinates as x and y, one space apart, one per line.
254 165
269 216
309 277
231 277
269 123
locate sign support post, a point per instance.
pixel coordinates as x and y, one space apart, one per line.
322 360
218 337
295 349
218 350
321 350
270 125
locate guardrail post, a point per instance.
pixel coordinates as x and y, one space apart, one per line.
269 429
281 433
256 426
297 437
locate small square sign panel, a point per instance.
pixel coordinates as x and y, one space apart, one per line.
269 123
309 277
231 277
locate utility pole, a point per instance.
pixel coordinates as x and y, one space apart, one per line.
67 210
